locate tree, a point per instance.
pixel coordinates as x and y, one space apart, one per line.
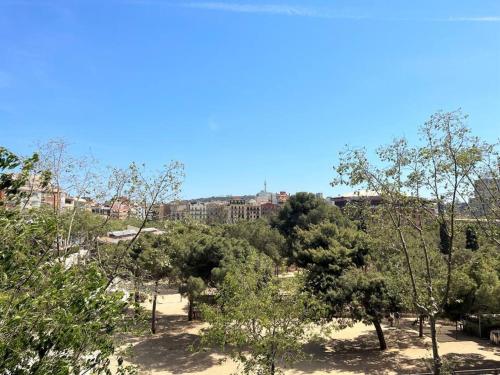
475 284
207 256
411 182
261 236
192 288
54 317
261 323
471 242
58 315
340 274
367 298
15 172
301 211
484 192
158 261
147 189
444 238
136 265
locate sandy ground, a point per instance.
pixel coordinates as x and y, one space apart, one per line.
352 350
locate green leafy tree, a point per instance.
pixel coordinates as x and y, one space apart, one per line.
444 238
261 236
475 284
471 241
367 298
261 323
301 211
192 288
411 182
55 317
158 262
207 256
340 274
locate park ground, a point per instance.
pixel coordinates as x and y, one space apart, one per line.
353 350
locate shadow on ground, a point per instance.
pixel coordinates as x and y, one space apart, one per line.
470 361
362 354
170 349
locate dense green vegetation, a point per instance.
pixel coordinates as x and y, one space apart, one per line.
408 254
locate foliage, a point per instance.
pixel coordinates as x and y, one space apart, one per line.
341 274
53 319
471 241
301 211
207 257
260 235
15 172
475 284
261 323
59 314
414 181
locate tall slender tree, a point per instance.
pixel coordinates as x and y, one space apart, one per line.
412 181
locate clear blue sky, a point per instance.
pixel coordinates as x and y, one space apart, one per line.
242 91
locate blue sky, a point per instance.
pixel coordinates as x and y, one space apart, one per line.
242 91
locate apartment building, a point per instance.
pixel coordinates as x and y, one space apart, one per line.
101 210
177 211
34 195
253 210
236 210
282 197
217 212
120 208
198 211
486 199
71 203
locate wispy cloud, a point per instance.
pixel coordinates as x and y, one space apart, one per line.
305 11
272 9
474 19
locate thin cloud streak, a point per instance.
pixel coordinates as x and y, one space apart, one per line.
273 9
300 11
303 11
475 19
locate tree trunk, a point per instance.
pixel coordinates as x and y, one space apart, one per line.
137 298
435 350
273 370
190 308
153 310
380 334
420 326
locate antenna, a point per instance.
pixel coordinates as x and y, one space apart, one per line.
265 186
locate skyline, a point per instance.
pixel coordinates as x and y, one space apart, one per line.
242 91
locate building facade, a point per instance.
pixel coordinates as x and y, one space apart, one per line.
198 211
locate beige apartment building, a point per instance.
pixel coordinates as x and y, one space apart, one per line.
217 212
198 211
33 195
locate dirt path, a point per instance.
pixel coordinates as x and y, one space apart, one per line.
352 350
